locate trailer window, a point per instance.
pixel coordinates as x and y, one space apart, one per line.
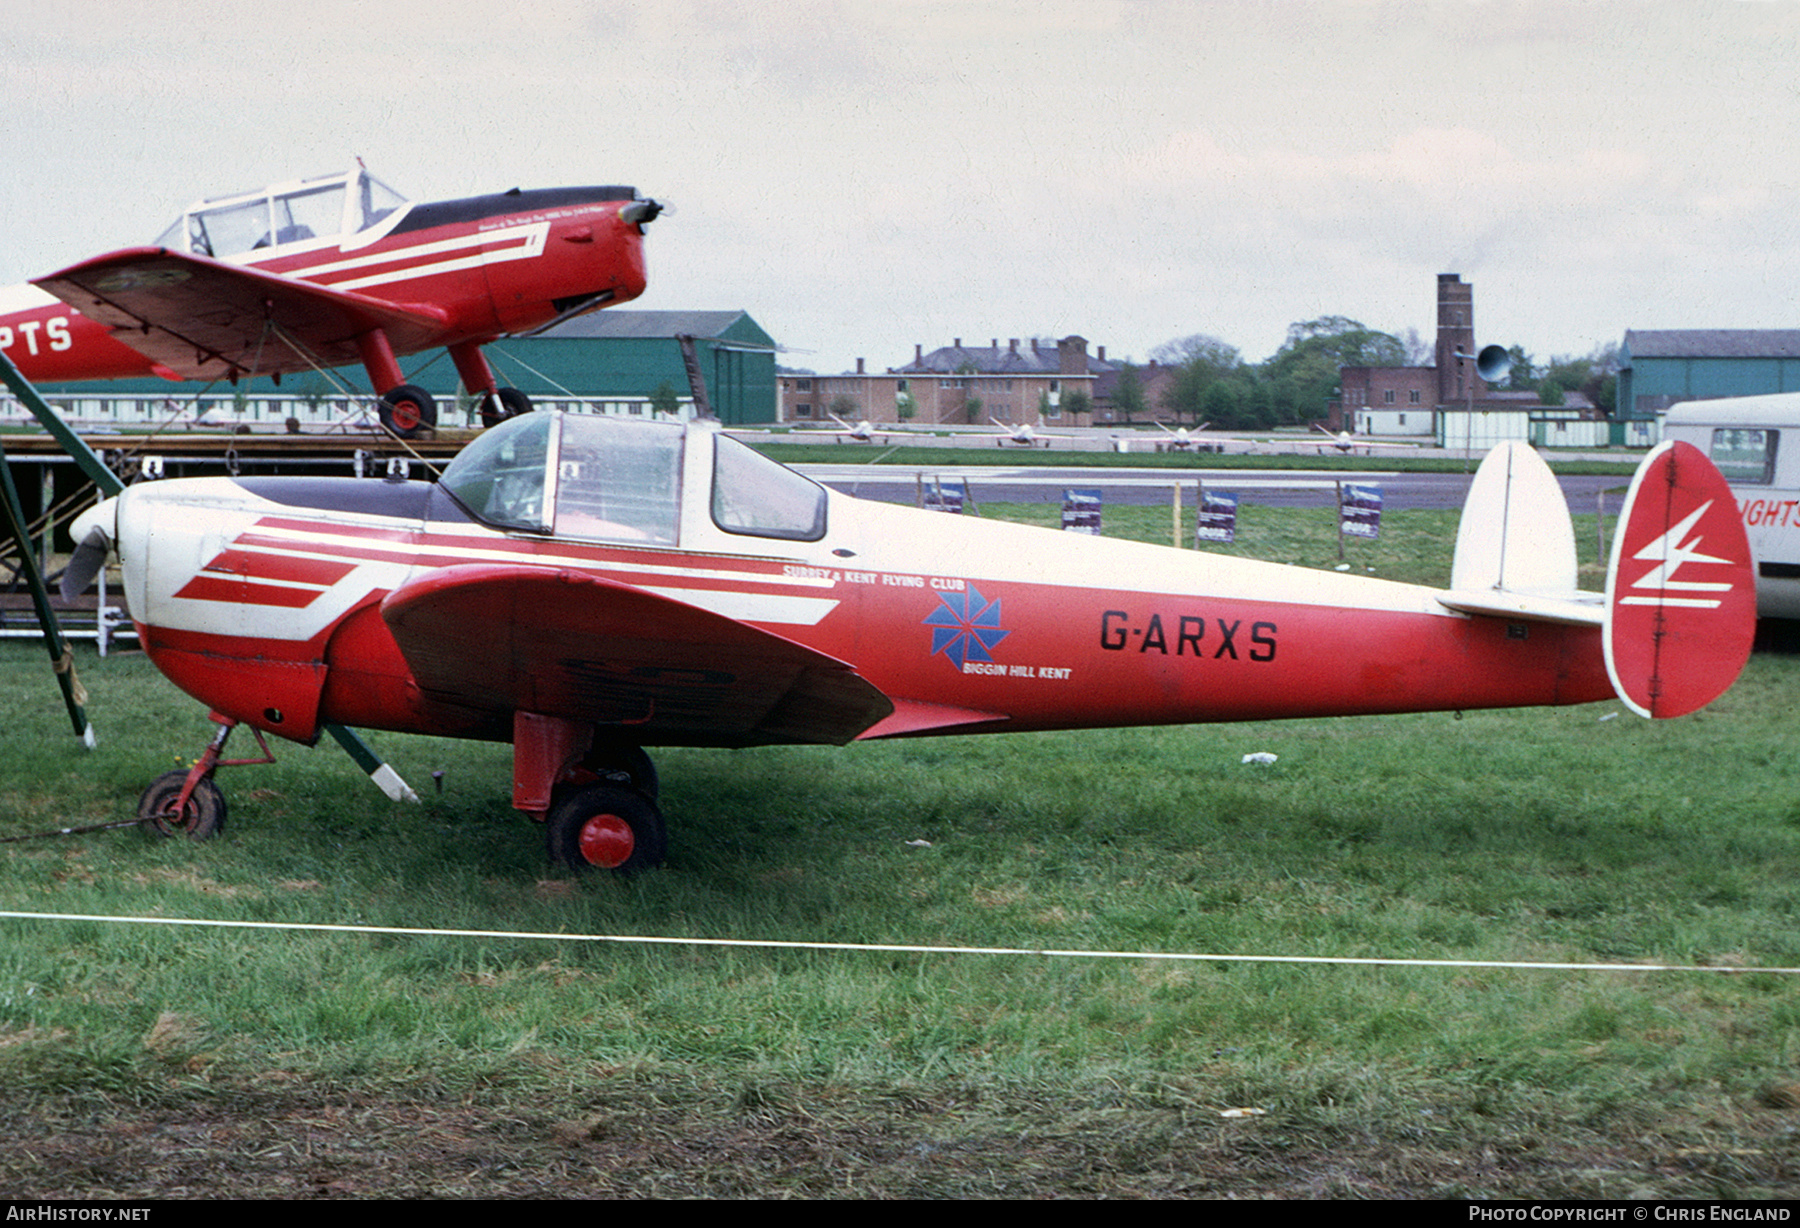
1745 455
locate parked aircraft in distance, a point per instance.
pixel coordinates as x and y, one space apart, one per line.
1025 434
861 431
1344 441
1181 438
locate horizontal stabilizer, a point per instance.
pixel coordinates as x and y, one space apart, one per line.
1578 610
1515 545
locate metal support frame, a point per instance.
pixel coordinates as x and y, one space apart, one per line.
89 462
62 660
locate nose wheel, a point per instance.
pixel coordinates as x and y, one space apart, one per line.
162 811
189 803
605 826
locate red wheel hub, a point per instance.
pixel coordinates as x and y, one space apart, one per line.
606 841
407 416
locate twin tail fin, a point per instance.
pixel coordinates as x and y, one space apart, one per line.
1679 612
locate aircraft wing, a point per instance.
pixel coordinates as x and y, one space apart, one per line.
505 638
203 318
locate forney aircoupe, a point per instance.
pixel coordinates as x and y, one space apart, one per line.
324 272
584 587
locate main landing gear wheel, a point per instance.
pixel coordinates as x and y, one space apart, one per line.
201 819
407 410
605 827
508 403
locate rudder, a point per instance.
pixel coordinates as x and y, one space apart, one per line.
1680 588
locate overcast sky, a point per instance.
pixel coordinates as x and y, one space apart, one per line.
863 177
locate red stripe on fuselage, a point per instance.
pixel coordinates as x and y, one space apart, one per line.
258 566
427 549
248 592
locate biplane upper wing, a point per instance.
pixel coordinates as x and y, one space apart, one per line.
562 643
202 318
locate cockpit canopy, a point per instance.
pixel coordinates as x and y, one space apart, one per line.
591 477
347 209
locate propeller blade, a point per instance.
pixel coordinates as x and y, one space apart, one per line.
84 565
93 533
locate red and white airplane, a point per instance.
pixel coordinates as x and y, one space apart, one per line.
323 272
585 587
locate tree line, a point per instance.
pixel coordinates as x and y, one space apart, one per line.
1213 384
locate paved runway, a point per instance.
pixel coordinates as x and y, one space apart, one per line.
1267 487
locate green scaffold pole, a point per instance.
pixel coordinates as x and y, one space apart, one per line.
385 778
61 659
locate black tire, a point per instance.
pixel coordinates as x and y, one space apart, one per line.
608 762
407 410
203 818
509 403
605 827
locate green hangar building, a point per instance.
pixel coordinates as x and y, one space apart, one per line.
616 360
1658 367
609 362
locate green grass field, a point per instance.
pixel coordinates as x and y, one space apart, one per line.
144 1061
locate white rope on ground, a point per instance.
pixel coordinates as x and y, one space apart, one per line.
893 948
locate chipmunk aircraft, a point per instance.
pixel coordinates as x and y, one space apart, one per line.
323 272
1344 441
1181 439
585 587
1025 434
860 431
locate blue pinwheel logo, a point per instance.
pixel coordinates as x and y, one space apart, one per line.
965 627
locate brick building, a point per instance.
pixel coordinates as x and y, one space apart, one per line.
956 385
1447 400
1404 400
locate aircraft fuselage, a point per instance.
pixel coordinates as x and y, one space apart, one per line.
263 599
